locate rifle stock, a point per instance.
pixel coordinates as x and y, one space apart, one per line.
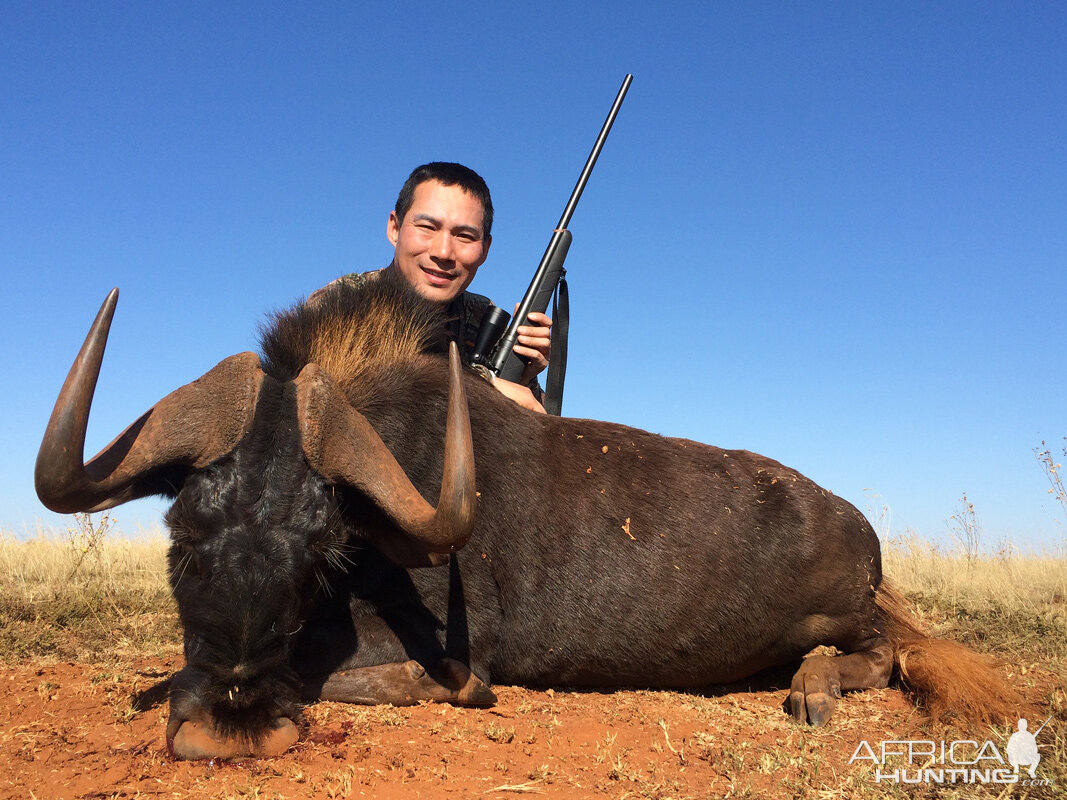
505 363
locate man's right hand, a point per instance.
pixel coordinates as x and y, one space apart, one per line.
534 344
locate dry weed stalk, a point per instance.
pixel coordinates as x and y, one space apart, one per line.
1052 468
86 537
879 514
966 530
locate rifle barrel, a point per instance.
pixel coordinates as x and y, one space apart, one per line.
583 179
503 361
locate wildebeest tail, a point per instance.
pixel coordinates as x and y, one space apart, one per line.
949 680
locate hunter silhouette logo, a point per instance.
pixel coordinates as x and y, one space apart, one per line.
1022 748
918 761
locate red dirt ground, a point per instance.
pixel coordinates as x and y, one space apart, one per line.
73 731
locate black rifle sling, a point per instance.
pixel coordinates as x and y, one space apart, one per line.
557 358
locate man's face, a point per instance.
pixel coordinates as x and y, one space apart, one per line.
440 242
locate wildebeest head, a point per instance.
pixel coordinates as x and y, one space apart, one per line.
253 462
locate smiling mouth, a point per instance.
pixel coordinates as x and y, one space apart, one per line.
436 277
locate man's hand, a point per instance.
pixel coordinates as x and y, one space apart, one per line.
533 344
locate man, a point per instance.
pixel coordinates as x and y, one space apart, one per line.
440 230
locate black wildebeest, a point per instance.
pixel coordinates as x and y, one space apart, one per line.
307 563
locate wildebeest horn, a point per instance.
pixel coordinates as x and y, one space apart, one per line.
191 426
341 445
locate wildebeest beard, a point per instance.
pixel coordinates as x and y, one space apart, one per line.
253 538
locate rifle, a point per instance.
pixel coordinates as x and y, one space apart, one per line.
549 275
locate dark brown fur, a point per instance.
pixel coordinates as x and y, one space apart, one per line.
601 556
606 555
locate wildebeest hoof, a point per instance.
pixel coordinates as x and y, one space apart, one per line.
469 689
815 690
476 693
816 708
198 740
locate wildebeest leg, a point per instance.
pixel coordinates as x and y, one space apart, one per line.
820 680
406 683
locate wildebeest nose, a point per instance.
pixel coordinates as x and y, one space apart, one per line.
196 740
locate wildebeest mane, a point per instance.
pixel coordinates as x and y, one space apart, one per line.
358 334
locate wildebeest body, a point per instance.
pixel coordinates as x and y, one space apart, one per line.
607 556
592 554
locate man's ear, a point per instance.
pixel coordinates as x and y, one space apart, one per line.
392 228
485 249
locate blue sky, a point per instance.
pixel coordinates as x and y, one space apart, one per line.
832 233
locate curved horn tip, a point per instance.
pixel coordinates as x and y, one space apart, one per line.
105 315
59 472
111 300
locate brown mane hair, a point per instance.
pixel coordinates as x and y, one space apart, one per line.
354 332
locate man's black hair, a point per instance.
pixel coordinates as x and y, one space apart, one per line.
449 174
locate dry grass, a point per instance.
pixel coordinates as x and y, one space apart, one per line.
84 594
1012 577
1008 602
